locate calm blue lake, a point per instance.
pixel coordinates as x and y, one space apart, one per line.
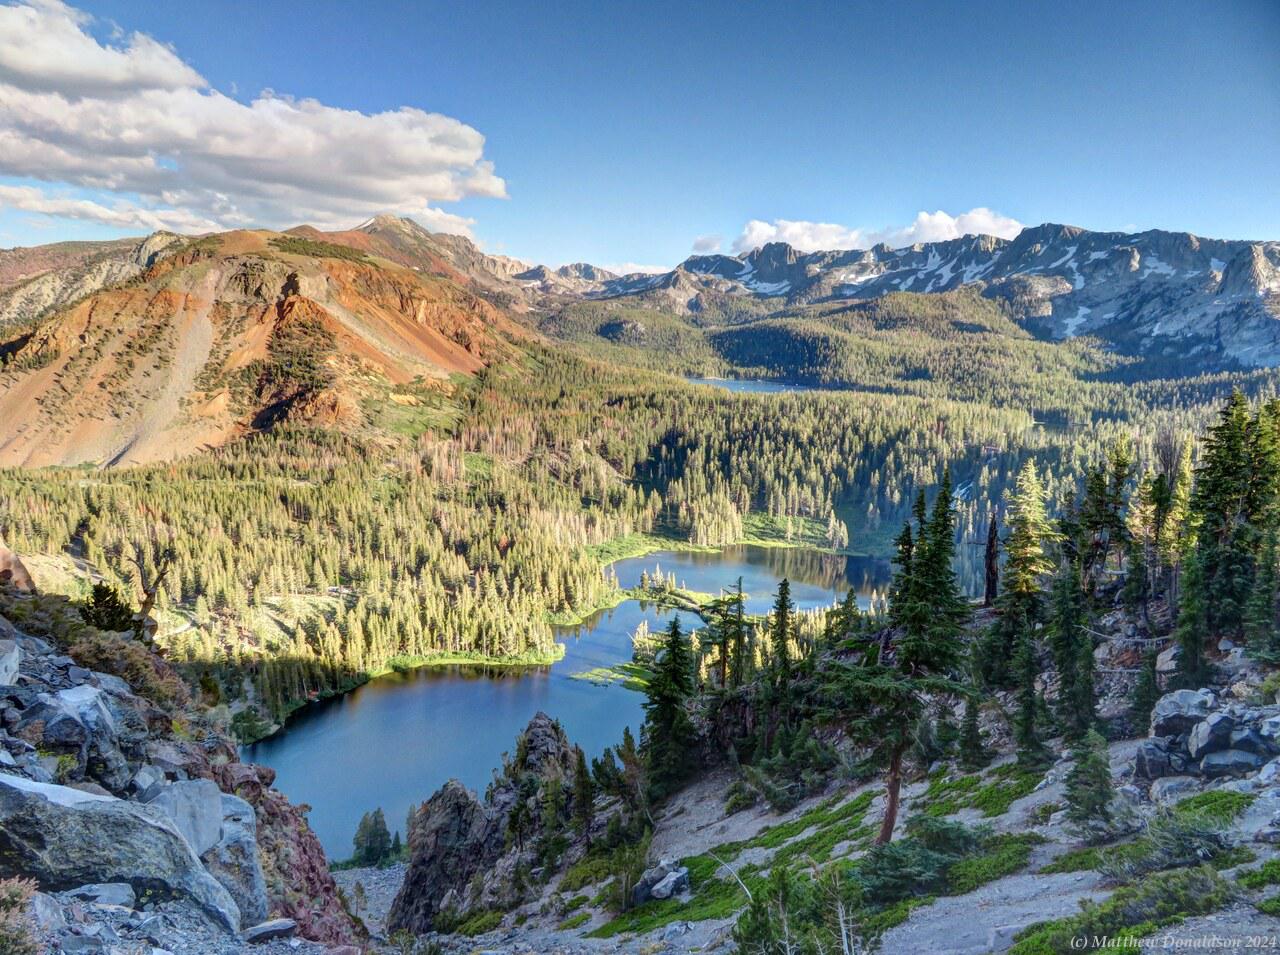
394 741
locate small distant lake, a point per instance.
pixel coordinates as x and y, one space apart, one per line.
394 741
763 386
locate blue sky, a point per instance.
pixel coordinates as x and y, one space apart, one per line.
624 132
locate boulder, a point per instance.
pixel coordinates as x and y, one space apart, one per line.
643 890
195 806
65 838
1229 762
1151 759
1167 659
1211 734
1167 791
1269 775
1177 712
266 931
672 884
10 658
107 893
234 860
1251 741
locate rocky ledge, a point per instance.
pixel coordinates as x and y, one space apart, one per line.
133 816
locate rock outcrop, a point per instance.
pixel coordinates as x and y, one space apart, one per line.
96 788
1193 734
459 857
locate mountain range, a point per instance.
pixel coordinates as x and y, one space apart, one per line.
137 349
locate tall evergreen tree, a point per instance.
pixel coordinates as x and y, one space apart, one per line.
1146 692
879 699
669 738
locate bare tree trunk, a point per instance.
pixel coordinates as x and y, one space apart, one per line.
893 788
992 563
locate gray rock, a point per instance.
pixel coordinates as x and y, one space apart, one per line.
10 658
1229 762
1177 712
673 883
266 931
1151 759
1210 734
77 944
1167 659
234 860
106 893
46 913
195 806
65 838
1269 775
1251 741
1172 788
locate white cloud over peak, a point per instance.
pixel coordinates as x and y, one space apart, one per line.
134 125
926 227
707 244
630 268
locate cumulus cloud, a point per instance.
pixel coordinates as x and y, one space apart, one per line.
131 122
926 227
707 244
631 268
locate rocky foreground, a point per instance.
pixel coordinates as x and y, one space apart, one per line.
133 815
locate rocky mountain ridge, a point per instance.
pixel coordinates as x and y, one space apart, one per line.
211 339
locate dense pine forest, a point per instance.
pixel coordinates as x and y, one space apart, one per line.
468 523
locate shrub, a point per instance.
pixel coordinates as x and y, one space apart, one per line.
1219 806
147 674
1133 912
17 934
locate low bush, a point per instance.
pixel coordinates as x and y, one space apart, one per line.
1130 914
17 934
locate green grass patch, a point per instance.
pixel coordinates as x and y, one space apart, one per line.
1219 806
1000 856
1005 784
586 871
1270 906
575 903
574 921
1266 874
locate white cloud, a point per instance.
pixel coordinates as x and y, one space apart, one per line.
143 130
927 227
121 215
630 268
707 244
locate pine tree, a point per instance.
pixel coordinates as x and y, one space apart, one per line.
583 794
881 701
973 752
372 842
668 736
107 610
1146 692
1089 788
1027 561
1026 732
